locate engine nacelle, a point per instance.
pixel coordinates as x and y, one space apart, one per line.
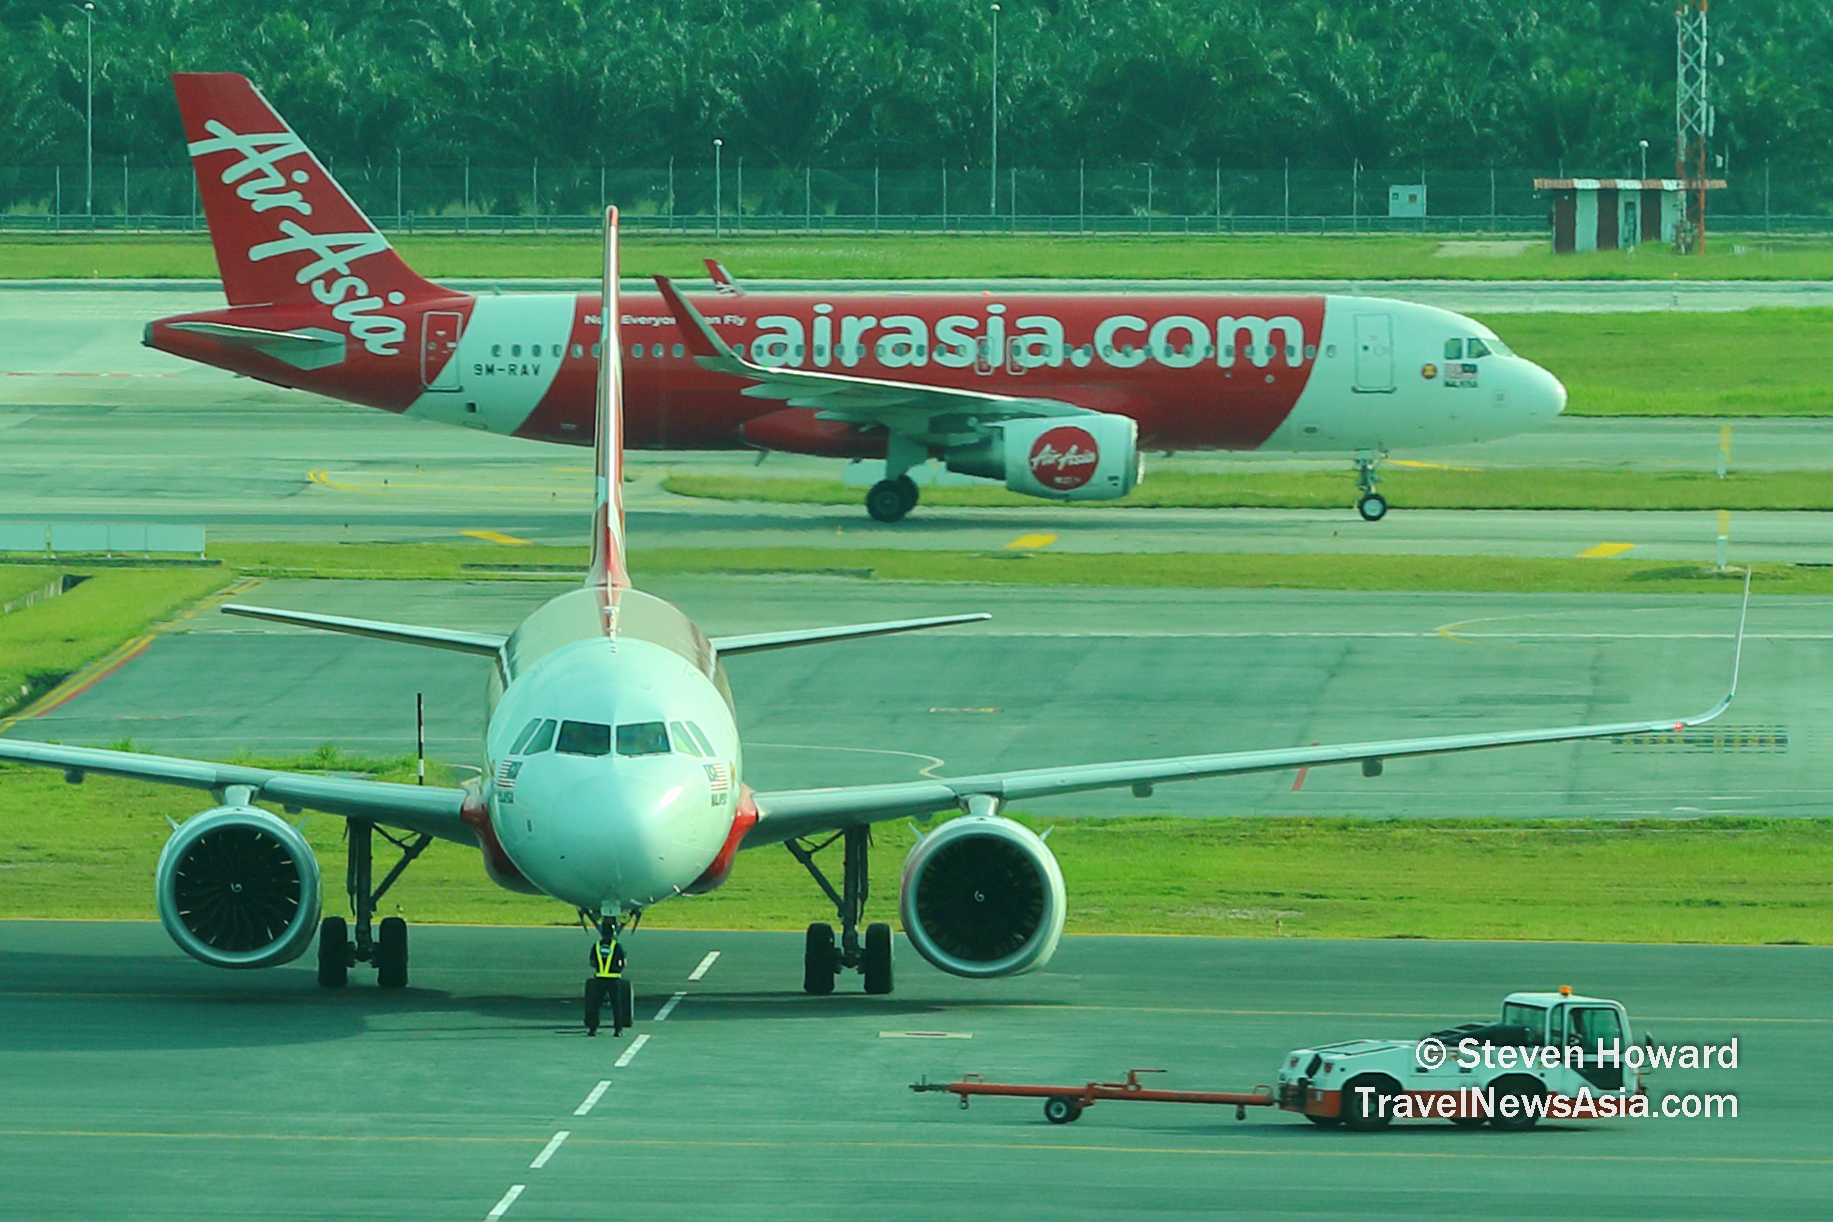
982 896
239 887
1075 458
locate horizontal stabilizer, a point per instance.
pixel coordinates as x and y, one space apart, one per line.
306 348
757 642
484 643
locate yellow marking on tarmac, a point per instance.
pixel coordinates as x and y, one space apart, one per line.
323 479
1032 541
1428 466
497 536
120 656
1042 1143
1605 551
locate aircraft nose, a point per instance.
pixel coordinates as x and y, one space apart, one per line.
635 840
1543 396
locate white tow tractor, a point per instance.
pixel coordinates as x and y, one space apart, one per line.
1550 1055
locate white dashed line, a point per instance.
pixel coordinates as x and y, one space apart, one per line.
547 1151
705 963
636 1046
598 1092
502 1206
668 1007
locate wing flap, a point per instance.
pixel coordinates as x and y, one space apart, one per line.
484 643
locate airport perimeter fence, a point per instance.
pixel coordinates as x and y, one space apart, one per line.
739 199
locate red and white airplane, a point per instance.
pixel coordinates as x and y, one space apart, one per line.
613 780
1054 394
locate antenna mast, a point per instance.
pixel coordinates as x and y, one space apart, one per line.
1693 116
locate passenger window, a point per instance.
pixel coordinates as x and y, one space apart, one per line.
584 738
543 739
706 744
556 351
740 349
680 351
578 351
596 348
636 350
1478 348
1311 352
528 732
641 738
655 350
1454 350
683 739
515 350
496 350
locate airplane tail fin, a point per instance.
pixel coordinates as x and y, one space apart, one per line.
282 227
722 279
608 571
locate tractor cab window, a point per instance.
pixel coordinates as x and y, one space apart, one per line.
642 738
1454 350
1593 1024
584 738
1478 348
1534 1018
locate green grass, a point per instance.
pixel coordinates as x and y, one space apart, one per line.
1769 362
898 256
88 852
1488 488
17 579
1200 570
41 645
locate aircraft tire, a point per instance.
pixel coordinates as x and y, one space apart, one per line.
391 954
623 1006
908 487
886 501
819 960
1372 507
333 953
878 959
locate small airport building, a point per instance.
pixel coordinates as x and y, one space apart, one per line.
1615 213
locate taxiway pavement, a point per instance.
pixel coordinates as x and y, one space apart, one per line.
141 1084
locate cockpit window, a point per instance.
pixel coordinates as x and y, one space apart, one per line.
706 744
527 733
683 739
1454 350
642 738
1478 348
543 738
585 738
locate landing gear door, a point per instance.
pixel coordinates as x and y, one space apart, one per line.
1374 353
439 332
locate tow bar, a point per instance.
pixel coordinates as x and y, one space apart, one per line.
1064 1104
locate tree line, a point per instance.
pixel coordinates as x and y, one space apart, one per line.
909 83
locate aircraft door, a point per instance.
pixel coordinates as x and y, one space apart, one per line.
439 332
1374 353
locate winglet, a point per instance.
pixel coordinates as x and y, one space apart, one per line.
702 340
722 279
608 571
1737 658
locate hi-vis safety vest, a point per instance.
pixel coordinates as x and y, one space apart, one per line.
605 961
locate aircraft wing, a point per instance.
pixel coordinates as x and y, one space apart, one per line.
485 643
801 812
757 642
421 808
839 396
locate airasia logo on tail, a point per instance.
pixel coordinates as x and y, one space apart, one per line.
1064 458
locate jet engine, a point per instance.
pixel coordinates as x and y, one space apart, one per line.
982 896
239 887
1093 457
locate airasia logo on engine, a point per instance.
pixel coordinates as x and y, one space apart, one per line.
1064 458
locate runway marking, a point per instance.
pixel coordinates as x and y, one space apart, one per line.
928 770
547 1151
964 710
1605 551
323 479
109 663
502 1206
497 536
636 1046
712 957
1028 542
598 1092
1428 466
668 1007
925 1035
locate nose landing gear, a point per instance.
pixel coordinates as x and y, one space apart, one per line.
1372 505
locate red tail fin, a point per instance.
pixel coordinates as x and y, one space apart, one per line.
608 570
283 229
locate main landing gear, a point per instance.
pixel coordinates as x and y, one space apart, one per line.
1372 505
606 987
890 499
822 958
341 947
